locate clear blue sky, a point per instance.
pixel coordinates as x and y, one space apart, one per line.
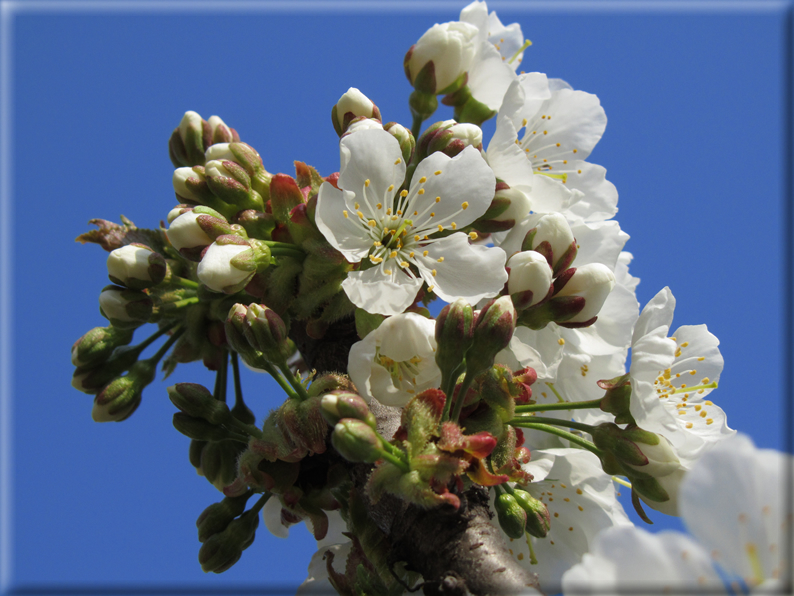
694 145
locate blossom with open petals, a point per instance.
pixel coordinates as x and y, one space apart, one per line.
392 233
735 504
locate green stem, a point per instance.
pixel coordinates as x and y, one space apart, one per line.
464 389
394 460
184 282
532 559
261 502
568 405
155 336
296 384
248 429
238 385
561 433
169 307
166 346
417 126
221 378
554 421
271 370
393 449
448 387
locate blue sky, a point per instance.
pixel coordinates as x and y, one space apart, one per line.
695 145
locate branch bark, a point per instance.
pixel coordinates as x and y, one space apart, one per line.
456 551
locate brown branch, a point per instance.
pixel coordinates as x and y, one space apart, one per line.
456 551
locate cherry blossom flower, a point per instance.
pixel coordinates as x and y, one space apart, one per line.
733 502
396 361
392 232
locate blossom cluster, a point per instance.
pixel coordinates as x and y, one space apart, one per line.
521 385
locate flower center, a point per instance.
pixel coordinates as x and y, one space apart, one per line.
403 374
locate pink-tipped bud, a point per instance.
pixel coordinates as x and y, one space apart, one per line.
356 441
530 278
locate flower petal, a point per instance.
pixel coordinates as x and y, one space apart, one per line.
340 225
372 155
377 292
462 270
490 76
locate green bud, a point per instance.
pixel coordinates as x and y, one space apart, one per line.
538 519
610 438
199 429
512 517
336 406
91 379
617 398
194 453
125 308
454 335
122 396
217 517
98 344
492 332
356 441
404 136
224 549
196 400
266 332
219 462
186 146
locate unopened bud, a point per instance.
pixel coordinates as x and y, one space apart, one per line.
450 138
98 344
404 136
336 406
661 456
519 204
196 400
122 396
136 266
363 123
593 282
190 185
199 429
266 332
220 132
538 519
454 335
552 237
186 146
512 517
492 332
530 278
356 441
218 516
219 462
192 231
224 549
227 265
125 308
441 57
351 105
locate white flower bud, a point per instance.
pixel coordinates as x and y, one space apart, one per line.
219 152
216 168
129 263
662 459
191 120
593 282
174 213
554 229
529 270
670 483
450 46
178 180
184 232
356 103
215 122
519 205
114 305
216 270
471 134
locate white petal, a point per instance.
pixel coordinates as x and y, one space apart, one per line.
379 293
507 159
734 501
490 76
466 271
271 515
338 222
657 313
404 336
372 155
524 97
465 178
599 200
598 242
317 582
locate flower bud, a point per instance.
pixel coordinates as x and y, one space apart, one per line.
336 406
404 136
190 185
362 123
661 456
351 105
92 378
438 61
450 138
199 429
519 204
593 282
552 237
220 132
98 344
224 549
454 335
492 332
125 308
122 396
136 266
266 332
512 517
538 519
216 518
356 441
186 145
185 232
225 267
219 462
195 400
529 280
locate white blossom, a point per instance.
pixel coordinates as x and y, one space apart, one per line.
396 361
391 232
